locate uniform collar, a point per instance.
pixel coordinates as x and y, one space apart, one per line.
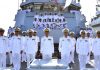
66 37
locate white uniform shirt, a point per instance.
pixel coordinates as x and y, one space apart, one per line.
61 17
16 44
31 45
55 17
3 44
82 46
37 17
65 45
41 17
73 43
47 45
96 46
23 42
37 40
90 42
10 44
44 17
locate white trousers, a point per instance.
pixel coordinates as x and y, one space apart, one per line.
29 58
82 61
97 62
16 59
10 55
72 56
88 58
23 57
65 58
2 60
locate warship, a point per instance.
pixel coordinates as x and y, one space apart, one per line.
53 14
95 22
40 14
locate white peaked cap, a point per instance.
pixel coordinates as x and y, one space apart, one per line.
82 31
71 33
65 30
46 29
17 29
30 30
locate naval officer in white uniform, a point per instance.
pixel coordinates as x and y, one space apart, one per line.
31 47
65 47
16 49
73 45
23 45
47 45
82 48
90 42
3 49
96 50
36 37
10 48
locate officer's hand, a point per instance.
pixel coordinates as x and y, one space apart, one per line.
7 53
88 54
10 51
21 51
70 52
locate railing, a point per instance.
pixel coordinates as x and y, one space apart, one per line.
62 2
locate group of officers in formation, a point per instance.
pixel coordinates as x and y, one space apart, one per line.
23 48
53 21
49 17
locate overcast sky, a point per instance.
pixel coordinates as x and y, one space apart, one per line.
8 9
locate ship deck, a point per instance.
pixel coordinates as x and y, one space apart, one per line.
54 64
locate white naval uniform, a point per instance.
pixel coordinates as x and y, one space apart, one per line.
41 17
23 45
30 49
10 48
47 47
37 40
83 49
37 16
96 52
90 42
73 49
16 49
65 47
3 50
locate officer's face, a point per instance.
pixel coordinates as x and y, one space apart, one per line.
30 34
17 33
24 34
46 33
12 34
34 33
1 33
83 34
71 35
88 34
65 34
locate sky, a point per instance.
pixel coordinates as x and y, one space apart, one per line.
8 10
